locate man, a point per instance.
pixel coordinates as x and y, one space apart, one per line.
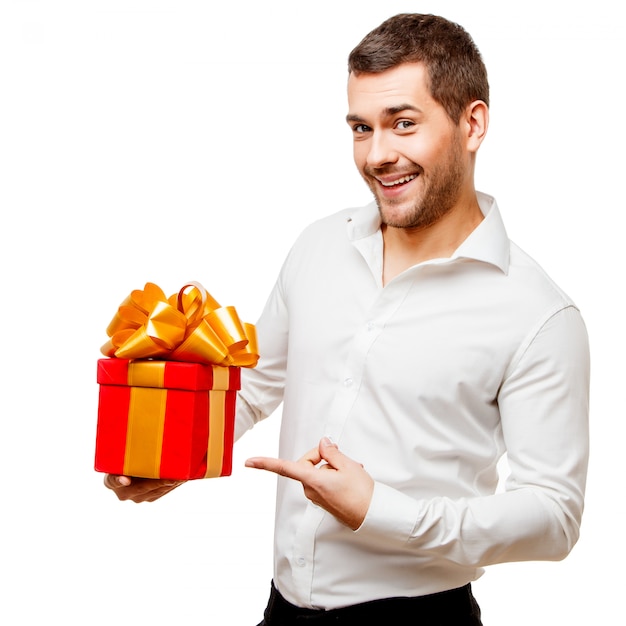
416 344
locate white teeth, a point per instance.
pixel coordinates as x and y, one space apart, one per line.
399 181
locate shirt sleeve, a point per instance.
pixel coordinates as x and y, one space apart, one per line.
544 404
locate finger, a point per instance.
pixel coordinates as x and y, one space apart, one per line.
329 451
149 485
313 456
147 489
155 494
114 481
290 469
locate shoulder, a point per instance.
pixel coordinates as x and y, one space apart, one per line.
529 277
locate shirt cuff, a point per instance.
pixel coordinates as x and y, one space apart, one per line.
391 515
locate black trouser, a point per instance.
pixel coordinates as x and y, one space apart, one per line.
456 607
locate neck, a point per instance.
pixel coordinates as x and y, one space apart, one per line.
405 247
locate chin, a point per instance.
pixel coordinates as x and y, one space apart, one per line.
396 215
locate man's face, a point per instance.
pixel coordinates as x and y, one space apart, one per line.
406 147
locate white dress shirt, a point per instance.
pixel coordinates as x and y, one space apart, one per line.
426 381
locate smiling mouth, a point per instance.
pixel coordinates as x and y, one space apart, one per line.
397 181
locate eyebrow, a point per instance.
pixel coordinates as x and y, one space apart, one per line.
388 112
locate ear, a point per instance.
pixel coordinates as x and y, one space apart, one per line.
475 122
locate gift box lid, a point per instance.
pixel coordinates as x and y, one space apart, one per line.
167 374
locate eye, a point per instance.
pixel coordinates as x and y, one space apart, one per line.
361 128
404 125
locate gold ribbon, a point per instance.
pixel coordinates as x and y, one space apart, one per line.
217 423
188 326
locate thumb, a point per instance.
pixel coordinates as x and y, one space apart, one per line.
329 450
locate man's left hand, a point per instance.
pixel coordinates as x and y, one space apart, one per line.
330 479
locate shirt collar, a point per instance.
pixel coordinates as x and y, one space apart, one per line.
488 242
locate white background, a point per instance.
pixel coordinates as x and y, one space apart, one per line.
169 141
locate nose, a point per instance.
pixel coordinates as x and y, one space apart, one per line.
381 150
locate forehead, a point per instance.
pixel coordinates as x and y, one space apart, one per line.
406 83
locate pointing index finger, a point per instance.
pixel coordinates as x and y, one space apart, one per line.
289 469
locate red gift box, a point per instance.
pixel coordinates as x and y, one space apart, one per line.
165 419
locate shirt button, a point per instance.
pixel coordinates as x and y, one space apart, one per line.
370 326
301 561
347 382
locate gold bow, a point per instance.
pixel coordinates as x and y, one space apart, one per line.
188 326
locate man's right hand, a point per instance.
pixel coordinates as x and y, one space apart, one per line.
140 489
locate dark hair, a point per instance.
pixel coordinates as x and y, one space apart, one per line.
456 71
